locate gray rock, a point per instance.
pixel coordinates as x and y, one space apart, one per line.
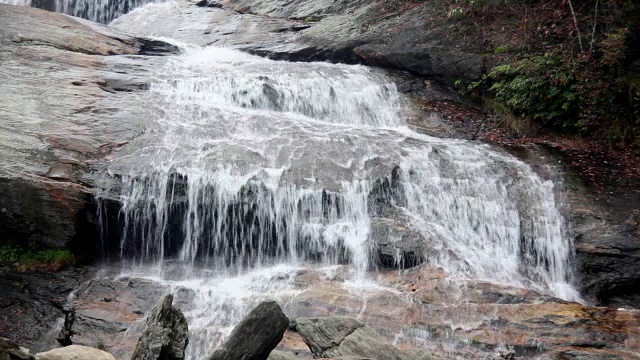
324 335
256 336
367 343
348 338
11 351
282 355
166 334
32 301
357 31
75 352
209 3
60 119
66 332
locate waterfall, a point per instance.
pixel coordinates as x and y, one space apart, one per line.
102 11
249 162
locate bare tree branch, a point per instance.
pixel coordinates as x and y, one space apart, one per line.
575 22
595 23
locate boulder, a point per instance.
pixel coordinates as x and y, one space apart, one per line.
256 335
333 337
166 334
75 352
11 351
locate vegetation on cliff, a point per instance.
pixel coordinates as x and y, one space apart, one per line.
25 259
570 67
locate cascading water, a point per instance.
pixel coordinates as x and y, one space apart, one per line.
102 11
252 168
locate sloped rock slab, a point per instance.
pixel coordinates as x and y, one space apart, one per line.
110 313
67 103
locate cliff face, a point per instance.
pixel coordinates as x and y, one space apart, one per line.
409 38
61 114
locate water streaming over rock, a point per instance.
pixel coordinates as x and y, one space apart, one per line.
250 168
102 11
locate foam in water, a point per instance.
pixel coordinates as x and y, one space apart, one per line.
214 302
250 165
245 165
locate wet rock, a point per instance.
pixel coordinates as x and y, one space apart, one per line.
32 302
209 3
282 355
472 317
214 26
67 332
106 308
256 336
397 245
75 352
332 337
52 150
322 335
166 334
11 351
356 31
605 224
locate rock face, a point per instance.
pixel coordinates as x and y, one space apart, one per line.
343 336
75 352
362 31
471 317
59 120
166 334
314 30
11 351
32 301
605 224
256 336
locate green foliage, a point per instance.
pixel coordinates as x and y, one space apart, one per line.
9 254
50 259
539 88
613 47
500 50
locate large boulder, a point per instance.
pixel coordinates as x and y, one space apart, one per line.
333 337
256 336
75 352
166 334
11 351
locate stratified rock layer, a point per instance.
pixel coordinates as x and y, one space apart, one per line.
59 116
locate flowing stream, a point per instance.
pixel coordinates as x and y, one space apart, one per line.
252 169
102 11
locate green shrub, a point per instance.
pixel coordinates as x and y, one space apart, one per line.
42 259
539 88
9 254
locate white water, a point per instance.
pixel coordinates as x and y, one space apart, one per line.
252 168
102 11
